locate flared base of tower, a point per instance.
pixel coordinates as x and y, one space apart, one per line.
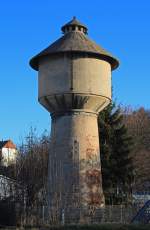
75 180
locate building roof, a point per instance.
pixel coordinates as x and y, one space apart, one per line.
7 144
75 41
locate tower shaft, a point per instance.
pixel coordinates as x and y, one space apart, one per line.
74 162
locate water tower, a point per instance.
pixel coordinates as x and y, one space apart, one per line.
74 77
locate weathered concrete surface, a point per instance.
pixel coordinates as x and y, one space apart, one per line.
74 89
84 74
74 74
75 169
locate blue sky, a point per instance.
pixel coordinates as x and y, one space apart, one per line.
28 26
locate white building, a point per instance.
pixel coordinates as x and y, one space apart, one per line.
8 153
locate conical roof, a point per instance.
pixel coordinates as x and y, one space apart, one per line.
75 40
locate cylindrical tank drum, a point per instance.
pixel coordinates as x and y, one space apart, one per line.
74 86
74 81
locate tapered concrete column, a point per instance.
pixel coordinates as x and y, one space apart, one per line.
75 178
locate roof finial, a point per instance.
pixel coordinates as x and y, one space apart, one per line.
74 17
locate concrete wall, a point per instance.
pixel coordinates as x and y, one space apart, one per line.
74 88
74 163
74 74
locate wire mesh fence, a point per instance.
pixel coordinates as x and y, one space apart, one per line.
43 216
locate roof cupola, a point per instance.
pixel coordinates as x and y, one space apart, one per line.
74 26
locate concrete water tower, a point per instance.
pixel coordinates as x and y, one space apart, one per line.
74 76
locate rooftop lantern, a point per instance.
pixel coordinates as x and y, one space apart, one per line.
74 25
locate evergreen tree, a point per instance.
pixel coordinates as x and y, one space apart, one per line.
115 147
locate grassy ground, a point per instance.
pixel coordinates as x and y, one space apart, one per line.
86 227
93 227
104 227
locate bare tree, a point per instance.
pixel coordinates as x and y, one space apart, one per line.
32 165
138 124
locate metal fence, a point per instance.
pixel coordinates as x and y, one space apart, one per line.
42 216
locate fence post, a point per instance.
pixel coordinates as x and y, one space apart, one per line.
121 214
63 217
43 213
